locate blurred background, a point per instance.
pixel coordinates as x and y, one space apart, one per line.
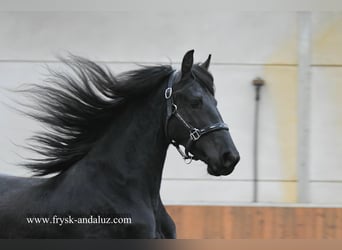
293 189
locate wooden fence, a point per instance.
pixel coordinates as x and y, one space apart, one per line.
220 222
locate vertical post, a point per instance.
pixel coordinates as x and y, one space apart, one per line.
304 74
257 83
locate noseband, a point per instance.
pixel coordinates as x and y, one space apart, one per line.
194 133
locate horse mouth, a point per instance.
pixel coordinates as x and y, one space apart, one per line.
221 171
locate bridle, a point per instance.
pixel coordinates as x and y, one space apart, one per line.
194 133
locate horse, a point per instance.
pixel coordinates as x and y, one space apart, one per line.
105 146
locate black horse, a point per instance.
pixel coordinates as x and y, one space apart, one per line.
106 144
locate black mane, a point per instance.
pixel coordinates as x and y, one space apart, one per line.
78 106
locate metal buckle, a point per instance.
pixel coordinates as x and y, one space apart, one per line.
168 93
195 134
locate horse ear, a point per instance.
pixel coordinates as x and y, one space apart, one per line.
206 63
187 62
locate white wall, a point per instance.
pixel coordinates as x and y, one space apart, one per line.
244 45
326 118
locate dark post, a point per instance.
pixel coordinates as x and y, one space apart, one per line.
257 83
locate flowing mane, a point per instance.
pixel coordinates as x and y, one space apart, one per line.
78 106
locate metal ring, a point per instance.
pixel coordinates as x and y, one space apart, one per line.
188 160
168 93
174 108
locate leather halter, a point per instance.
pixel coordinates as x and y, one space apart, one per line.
194 133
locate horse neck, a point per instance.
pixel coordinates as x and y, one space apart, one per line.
132 152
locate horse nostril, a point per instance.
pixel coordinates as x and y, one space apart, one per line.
230 158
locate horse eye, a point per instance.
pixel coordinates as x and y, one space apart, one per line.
196 103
